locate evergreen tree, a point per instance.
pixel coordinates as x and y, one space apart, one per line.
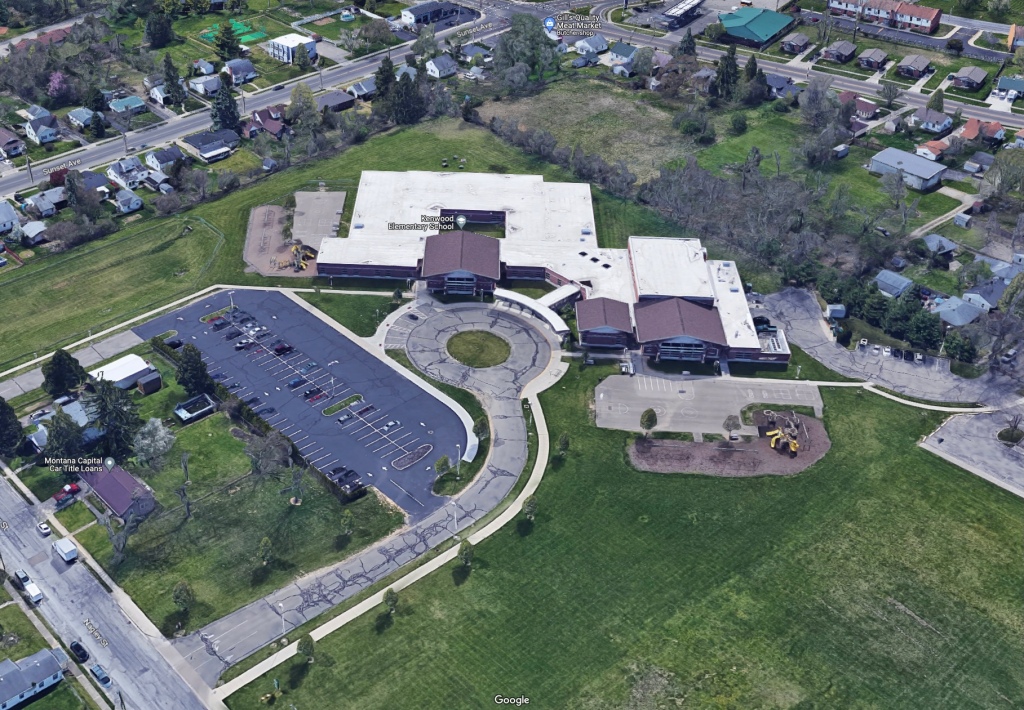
687 45
159 30
10 429
225 110
937 100
5 13
63 437
192 374
728 73
302 59
225 43
183 596
750 69
406 104
385 78
94 100
97 129
172 82
648 420
306 647
117 414
61 373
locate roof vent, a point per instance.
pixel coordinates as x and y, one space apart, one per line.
358 225
606 266
594 259
727 264
583 253
585 231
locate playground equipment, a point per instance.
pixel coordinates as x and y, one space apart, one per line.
347 16
784 437
301 252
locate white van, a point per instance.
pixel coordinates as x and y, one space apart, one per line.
33 593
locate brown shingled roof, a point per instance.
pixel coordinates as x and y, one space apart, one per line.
116 487
673 317
462 251
603 313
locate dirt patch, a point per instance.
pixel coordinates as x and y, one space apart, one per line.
324 21
733 459
265 250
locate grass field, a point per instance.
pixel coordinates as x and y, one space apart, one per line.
478 348
63 696
72 292
42 481
14 621
75 516
360 314
880 577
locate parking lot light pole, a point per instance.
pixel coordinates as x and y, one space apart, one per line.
280 605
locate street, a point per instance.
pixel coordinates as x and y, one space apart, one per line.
76 602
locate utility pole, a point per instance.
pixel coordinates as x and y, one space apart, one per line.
28 163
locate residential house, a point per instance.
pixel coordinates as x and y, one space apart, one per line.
917 18
932 150
956 312
753 26
873 58
152 81
34 111
124 494
54 37
8 217
841 51
918 173
441 67
211 146
48 202
781 87
127 172
79 415
81 118
286 47
95 181
986 295
240 71
622 53
991 132
404 70
703 78
43 130
159 94
979 163
893 123
20 681
930 120
913 66
865 108
157 181
892 284
10 144
795 43
205 85
891 13
623 70
335 101
127 201
364 89
164 158
1015 38
128 106
269 120
970 78
33 233
201 67
429 13
596 44
1012 87
939 245
472 51
1007 270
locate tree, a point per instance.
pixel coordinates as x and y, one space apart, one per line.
750 68
192 374
925 330
302 60
466 553
937 100
517 77
225 43
739 123
888 92
172 82
1013 422
998 8
305 647
302 110
268 455
266 551
97 128
732 423
159 30
391 600
227 181
960 347
687 45
426 44
57 86
183 596
728 73
714 31
1018 58
530 507
63 436
442 466
11 434
894 187
116 412
347 522
955 46
524 43
61 373
648 420
384 79
643 62
119 539
224 111
563 443
151 443
94 100
406 105
481 429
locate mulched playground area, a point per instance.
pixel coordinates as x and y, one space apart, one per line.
732 459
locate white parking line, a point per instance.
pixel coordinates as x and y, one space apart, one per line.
407 493
311 453
314 461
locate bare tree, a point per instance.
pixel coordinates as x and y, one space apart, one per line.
119 538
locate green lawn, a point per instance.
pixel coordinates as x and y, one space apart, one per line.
946 64
14 621
216 550
360 314
478 348
66 695
44 152
940 280
75 516
42 481
880 577
809 368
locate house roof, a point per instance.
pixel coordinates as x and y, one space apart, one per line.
168 155
443 63
7 212
975 74
471 50
915 61
126 166
957 312
209 83
1011 83
203 65
82 115
334 98
292 40
124 198
366 86
866 105
116 487
623 50
927 115
754 24
595 40
892 283
603 313
402 71
7 137
918 11
847 96
462 251
18 677
33 229
205 138
126 366
126 102
92 180
983 159
874 55
797 38
241 67
939 244
990 129
43 122
36 111
1002 269
991 290
842 47
675 317
936 148
909 163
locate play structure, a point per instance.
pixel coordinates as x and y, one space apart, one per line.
242 31
301 252
347 16
783 438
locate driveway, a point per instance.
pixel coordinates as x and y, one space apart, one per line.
798 313
699 406
239 634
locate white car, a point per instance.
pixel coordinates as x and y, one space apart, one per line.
44 529
863 343
887 351
876 350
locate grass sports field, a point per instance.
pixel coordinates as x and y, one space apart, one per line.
881 577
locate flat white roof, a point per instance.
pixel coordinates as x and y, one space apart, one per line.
732 305
560 293
118 370
292 40
664 267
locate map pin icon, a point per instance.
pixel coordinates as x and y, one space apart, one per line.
460 221
108 463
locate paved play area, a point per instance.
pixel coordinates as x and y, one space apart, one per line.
396 417
317 216
698 406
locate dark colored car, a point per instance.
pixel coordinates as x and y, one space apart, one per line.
365 410
897 353
278 87
245 319
79 652
234 385
261 336
353 489
266 410
296 382
317 397
252 401
173 344
233 335
283 349
908 355
221 325
101 675
312 391
413 316
219 376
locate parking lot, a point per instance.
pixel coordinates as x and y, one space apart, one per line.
290 367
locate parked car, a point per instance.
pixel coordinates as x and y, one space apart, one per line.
252 401
344 417
887 351
863 343
413 316
308 368
908 355
283 349
233 335
71 489
312 391
79 652
919 358
266 410
296 382
897 353
244 344
21 578
43 529
100 675
174 343
317 397
391 425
